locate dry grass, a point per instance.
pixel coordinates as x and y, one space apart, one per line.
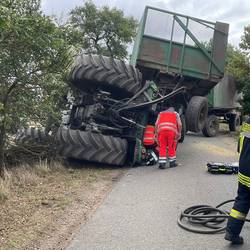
24 176
31 197
4 191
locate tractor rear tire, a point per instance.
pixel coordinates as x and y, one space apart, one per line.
95 71
183 129
31 135
196 113
211 127
93 147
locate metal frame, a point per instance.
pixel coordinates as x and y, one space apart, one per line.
173 13
204 50
215 67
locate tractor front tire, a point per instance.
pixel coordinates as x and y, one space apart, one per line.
196 113
93 147
95 71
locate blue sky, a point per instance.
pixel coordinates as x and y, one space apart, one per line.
236 13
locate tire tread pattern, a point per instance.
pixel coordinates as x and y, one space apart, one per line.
195 105
31 135
91 146
105 71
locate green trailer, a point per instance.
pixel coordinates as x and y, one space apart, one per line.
172 43
176 50
223 106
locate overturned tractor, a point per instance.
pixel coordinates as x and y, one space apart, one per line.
112 102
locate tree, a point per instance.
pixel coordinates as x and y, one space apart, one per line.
238 65
245 45
246 97
34 53
245 39
103 31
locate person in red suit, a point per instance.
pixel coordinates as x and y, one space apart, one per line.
168 132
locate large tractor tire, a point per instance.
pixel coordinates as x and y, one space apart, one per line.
211 127
86 145
183 129
31 135
196 113
110 74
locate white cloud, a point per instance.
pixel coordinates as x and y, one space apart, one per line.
236 13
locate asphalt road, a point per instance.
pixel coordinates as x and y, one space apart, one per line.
141 210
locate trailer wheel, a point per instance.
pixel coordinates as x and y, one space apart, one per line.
234 122
86 145
196 113
211 127
183 129
106 73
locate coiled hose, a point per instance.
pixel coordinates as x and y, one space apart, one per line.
206 216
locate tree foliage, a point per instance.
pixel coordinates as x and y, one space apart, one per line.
245 39
103 31
238 65
34 53
245 46
246 97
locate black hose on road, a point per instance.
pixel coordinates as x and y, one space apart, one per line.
206 216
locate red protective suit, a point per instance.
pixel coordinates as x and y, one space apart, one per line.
168 130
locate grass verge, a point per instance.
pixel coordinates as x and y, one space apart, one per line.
33 199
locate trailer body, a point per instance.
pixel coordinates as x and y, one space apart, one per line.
171 44
224 95
224 106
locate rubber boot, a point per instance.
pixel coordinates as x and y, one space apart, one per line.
235 239
173 164
162 165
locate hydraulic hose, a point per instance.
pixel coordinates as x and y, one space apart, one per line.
117 110
211 218
161 99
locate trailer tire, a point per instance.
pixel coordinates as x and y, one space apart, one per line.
211 127
107 73
196 113
89 146
234 122
183 129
